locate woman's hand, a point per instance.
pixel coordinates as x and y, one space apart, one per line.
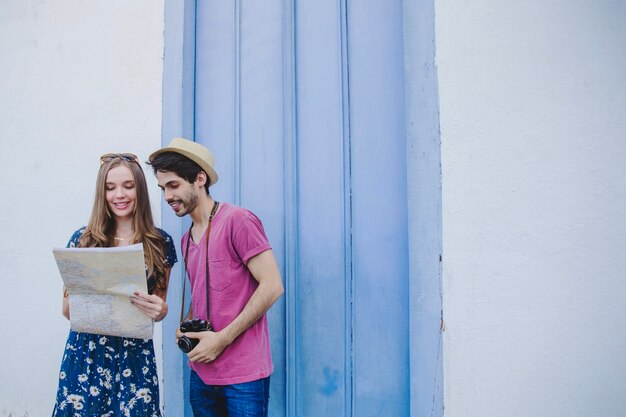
152 305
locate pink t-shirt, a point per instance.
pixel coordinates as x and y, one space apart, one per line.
236 236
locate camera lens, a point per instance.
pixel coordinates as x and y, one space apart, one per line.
186 345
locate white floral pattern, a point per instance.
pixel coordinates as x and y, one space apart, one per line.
108 375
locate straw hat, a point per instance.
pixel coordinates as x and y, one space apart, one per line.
194 151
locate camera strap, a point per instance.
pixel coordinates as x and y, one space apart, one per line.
206 259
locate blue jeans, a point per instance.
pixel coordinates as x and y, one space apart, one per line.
248 399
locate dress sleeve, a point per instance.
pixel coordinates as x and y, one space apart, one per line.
170 249
75 239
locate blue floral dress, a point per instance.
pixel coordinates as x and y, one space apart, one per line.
109 375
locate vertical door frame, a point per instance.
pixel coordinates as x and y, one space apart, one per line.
177 120
424 207
290 203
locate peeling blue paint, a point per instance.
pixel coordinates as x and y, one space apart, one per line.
331 381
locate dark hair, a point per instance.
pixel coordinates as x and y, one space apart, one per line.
179 165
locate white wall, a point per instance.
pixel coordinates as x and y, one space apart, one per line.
533 130
78 79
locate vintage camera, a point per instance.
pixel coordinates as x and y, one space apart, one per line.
186 344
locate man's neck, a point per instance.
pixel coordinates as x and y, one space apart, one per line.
200 215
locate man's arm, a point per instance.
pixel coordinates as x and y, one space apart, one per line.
265 270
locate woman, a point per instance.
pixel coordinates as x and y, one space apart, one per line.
109 375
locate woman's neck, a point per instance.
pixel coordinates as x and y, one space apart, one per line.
123 231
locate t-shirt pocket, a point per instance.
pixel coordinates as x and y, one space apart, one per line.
220 276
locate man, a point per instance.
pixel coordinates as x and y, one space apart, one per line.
231 364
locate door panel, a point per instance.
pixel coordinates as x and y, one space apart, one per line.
379 209
302 104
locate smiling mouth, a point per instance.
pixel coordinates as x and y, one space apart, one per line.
175 205
121 206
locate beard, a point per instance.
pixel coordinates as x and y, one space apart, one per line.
187 204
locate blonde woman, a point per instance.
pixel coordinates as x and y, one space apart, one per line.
108 375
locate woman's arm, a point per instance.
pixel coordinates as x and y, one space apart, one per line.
66 304
72 243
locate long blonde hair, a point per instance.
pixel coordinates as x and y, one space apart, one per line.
100 230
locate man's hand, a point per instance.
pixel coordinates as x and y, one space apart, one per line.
152 305
211 345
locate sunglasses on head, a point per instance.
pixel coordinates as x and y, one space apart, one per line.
108 157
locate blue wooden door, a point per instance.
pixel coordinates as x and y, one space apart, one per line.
302 104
